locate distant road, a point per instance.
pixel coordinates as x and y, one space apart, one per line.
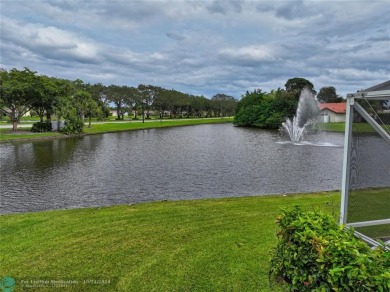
9 126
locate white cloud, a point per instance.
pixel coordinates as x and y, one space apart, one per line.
49 41
248 53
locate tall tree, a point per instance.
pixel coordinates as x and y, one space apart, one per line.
98 94
147 94
297 84
82 101
18 91
160 102
198 105
328 94
63 103
50 89
116 94
224 104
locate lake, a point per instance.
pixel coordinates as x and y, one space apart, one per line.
204 161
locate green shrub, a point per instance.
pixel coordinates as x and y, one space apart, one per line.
267 111
40 127
73 125
314 253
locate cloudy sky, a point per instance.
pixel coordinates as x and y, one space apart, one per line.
201 47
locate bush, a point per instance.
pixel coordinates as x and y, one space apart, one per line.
40 127
314 253
258 109
73 125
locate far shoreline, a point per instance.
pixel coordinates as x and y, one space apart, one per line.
108 127
24 135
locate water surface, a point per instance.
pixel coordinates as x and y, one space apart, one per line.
204 161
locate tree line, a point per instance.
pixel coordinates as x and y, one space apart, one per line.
23 91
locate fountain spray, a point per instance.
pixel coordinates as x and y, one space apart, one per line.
306 115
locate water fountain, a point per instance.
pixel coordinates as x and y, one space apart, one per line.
305 117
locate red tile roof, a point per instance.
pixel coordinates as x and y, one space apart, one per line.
338 108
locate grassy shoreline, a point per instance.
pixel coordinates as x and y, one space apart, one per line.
340 127
6 135
198 245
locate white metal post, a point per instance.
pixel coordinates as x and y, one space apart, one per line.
346 160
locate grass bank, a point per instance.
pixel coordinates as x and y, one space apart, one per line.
200 245
137 125
24 133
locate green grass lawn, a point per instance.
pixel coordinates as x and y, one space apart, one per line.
200 245
340 127
333 127
137 125
24 133
367 205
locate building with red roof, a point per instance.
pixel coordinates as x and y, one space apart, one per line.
332 112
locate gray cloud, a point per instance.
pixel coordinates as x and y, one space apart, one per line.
175 36
291 10
224 7
220 46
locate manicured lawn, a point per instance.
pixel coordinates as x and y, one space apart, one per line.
370 204
200 245
333 127
340 127
24 132
137 125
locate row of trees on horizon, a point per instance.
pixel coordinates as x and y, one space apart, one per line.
23 91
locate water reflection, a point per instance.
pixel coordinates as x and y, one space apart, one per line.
161 164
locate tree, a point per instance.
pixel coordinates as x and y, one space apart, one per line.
63 103
249 108
265 110
98 94
161 101
81 101
224 104
18 91
297 84
147 94
132 99
116 95
328 94
198 105
81 98
92 108
283 105
50 89
75 106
